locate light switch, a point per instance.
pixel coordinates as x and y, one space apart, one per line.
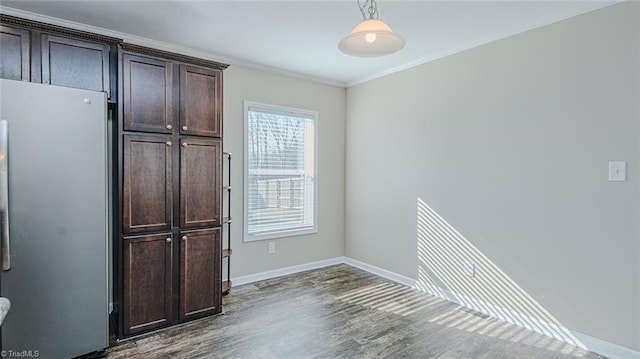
618 171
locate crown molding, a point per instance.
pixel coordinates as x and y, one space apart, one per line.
173 56
165 46
32 24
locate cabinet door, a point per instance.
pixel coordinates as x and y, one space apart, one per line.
146 183
147 299
147 94
200 265
200 101
200 182
14 53
75 63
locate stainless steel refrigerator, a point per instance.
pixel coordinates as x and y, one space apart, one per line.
53 162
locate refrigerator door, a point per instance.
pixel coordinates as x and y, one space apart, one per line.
57 190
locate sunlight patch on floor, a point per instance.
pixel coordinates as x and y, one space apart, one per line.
442 254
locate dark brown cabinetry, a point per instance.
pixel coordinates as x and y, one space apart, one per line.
39 52
148 94
147 184
149 97
165 119
200 101
75 63
14 53
200 182
147 284
171 180
200 276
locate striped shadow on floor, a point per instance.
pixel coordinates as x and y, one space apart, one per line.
344 312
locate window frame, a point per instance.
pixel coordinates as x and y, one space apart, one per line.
283 110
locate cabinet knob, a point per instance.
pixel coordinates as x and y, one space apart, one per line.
184 128
169 127
168 239
184 144
184 238
168 143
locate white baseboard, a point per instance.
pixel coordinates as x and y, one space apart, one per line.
380 272
595 345
285 271
608 349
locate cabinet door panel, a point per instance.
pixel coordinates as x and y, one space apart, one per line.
200 289
147 282
75 63
14 53
200 101
147 183
147 97
200 182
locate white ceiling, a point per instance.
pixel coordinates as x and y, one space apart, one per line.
301 37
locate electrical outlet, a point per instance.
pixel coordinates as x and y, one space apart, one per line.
469 268
271 247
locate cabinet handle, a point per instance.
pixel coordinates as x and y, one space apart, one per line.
168 143
184 128
4 195
184 144
168 239
169 127
184 238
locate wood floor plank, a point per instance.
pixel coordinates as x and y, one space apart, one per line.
343 312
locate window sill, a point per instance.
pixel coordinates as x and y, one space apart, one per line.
279 234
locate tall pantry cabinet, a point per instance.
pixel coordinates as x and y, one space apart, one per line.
171 188
165 131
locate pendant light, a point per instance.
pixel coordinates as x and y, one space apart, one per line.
371 37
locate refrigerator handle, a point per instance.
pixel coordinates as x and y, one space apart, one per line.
4 195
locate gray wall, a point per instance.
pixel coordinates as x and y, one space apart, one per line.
241 84
509 144
497 156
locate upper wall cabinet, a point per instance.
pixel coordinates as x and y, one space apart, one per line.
75 63
14 54
147 94
162 94
200 101
39 52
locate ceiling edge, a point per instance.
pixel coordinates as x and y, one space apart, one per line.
551 19
166 46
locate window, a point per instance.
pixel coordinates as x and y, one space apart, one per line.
280 171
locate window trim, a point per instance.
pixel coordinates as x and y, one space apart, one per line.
245 176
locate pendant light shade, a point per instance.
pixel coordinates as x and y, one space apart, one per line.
371 37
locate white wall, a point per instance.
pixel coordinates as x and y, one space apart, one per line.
246 84
509 143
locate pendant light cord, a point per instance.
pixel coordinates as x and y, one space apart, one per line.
372 9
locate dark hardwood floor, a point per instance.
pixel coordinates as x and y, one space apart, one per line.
343 312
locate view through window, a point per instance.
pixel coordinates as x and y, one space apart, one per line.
280 171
